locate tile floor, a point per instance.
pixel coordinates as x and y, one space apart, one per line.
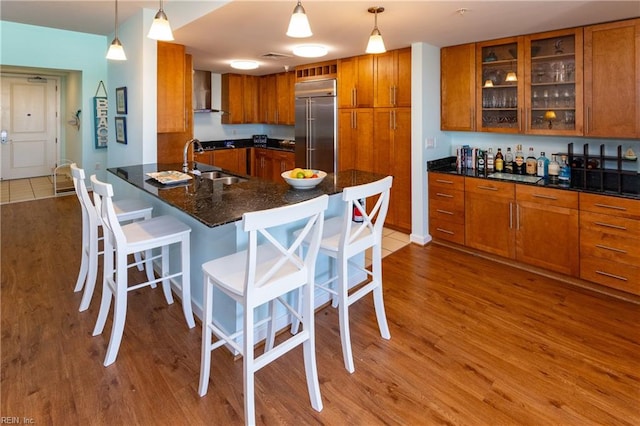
391 241
17 190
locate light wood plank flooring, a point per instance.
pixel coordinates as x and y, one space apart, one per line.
472 343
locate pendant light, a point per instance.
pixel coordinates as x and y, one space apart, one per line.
299 24
376 44
160 29
511 75
116 51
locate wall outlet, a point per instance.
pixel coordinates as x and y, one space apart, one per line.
430 143
98 166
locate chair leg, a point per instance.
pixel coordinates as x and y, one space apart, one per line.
309 349
148 266
248 369
185 257
119 311
343 314
378 299
205 355
92 270
334 272
107 291
166 283
295 322
271 327
84 268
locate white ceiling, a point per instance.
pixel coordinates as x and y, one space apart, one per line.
216 32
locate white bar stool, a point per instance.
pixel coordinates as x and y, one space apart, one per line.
342 239
158 232
126 210
263 274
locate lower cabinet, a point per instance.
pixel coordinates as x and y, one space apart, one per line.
446 207
269 163
233 160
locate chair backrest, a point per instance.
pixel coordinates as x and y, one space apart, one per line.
89 215
103 201
358 236
282 267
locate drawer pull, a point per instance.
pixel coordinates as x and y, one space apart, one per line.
445 231
608 225
606 274
449 182
444 212
607 206
617 250
546 197
440 194
488 188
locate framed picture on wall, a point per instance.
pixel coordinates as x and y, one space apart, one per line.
121 100
121 130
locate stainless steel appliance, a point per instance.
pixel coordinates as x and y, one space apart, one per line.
315 129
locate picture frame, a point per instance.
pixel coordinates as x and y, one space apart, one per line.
121 100
121 130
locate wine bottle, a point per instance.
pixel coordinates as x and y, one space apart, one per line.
519 166
508 161
531 163
499 161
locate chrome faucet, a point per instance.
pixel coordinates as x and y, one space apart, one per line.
185 163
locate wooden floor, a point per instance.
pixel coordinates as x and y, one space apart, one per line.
473 343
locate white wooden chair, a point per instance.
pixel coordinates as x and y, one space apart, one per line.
126 210
342 239
263 274
159 232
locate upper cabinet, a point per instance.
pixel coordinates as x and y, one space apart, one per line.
458 85
612 79
285 105
553 83
239 99
499 85
392 78
172 93
355 82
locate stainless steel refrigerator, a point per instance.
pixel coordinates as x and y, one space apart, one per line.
315 128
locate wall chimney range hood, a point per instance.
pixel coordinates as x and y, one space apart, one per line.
202 91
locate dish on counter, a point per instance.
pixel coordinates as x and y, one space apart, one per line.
170 177
303 183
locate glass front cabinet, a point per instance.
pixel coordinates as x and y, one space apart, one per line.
553 83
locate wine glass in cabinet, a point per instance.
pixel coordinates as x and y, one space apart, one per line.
553 82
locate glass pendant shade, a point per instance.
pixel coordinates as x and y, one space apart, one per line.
299 24
160 29
116 51
376 44
511 76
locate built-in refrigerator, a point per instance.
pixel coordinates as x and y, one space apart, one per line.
315 127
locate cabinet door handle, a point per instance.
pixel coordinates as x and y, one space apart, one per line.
607 206
510 215
606 274
444 212
440 194
608 225
488 188
617 250
546 197
391 102
395 124
445 231
354 97
517 217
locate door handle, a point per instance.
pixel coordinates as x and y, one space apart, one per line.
3 136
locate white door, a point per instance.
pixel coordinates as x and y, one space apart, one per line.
28 125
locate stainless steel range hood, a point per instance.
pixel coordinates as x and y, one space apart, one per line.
202 91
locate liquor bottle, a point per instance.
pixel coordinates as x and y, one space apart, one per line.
499 161
531 163
564 175
542 166
554 170
519 166
480 162
490 161
508 161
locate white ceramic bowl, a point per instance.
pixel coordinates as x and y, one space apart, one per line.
306 183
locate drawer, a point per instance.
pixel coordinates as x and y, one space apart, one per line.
547 196
451 209
445 181
617 206
607 224
610 247
447 230
611 274
489 188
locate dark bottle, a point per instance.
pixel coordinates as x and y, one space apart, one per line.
499 161
508 161
480 162
519 166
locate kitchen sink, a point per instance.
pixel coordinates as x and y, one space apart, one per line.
221 177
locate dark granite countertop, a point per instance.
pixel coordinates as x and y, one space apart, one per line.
629 184
245 143
217 204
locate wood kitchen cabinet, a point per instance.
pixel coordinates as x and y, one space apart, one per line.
355 139
270 163
239 99
392 78
282 161
268 99
232 159
446 207
392 156
612 79
488 214
547 229
355 82
172 88
285 105
458 87
609 235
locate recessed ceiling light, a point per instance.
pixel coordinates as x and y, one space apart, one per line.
244 65
310 50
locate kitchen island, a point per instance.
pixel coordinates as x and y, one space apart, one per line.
214 211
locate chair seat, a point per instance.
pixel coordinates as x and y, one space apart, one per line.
132 209
151 230
332 232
